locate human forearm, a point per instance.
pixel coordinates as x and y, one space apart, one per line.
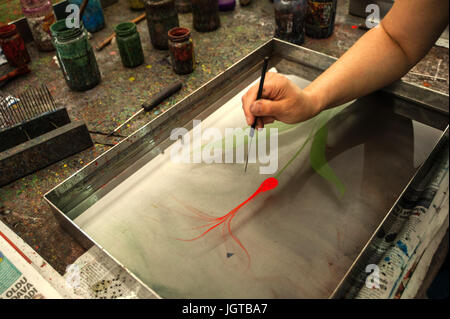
375 61
384 54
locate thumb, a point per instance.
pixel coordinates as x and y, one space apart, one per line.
265 107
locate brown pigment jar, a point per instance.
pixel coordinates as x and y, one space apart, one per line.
181 50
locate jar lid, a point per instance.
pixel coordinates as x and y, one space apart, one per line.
125 28
60 30
7 30
179 34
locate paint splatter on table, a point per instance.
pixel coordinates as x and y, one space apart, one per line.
122 91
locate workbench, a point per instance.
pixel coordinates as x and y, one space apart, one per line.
122 90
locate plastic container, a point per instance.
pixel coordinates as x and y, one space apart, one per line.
129 44
181 50
93 18
320 18
290 20
227 5
40 16
205 15
13 46
161 17
76 57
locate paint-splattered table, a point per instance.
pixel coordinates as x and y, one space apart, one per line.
122 91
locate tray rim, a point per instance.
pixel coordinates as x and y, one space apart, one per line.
427 98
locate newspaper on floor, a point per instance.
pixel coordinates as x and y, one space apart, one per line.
96 275
23 273
420 215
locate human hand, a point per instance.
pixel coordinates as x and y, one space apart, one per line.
281 100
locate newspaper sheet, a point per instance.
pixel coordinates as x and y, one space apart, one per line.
19 274
420 215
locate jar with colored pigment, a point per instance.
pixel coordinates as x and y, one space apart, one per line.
181 50
40 16
205 14
183 6
320 18
290 20
129 44
136 4
13 46
93 19
75 55
227 5
161 17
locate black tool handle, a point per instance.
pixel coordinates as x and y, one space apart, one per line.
162 95
261 83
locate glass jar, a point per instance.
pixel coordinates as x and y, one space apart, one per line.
205 15
183 6
13 46
75 55
290 20
161 17
320 18
227 5
93 19
136 4
129 44
181 50
40 16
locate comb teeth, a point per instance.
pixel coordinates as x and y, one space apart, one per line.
28 104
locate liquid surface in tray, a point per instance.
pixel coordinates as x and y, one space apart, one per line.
295 241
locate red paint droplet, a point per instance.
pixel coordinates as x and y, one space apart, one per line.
354 26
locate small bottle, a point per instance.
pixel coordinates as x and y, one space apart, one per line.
13 46
227 5
129 44
183 6
205 15
161 17
290 20
320 18
75 55
93 18
181 50
137 5
40 17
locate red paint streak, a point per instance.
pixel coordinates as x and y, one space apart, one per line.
268 184
15 247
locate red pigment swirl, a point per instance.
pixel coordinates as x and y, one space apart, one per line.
267 185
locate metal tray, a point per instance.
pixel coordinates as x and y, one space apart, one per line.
75 195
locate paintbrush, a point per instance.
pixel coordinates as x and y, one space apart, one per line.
82 8
108 40
258 97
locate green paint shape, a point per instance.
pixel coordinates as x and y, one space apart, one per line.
317 153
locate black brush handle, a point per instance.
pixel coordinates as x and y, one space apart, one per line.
261 84
162 95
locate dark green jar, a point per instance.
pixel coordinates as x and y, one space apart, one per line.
75 55
129 44
161 17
